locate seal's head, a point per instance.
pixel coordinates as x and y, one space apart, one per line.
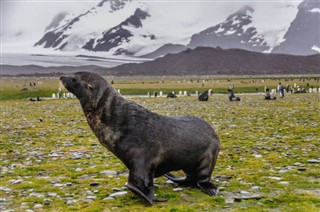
87 87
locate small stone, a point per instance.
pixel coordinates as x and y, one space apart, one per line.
38 195
47 201
284 183
69 202
94 184
229 201
109 173
275 178
117 189
254 196
53 155
91 197
170 182
222 188
302 168
69 184
244 192
108 198
313 161
17 181
78 169
52 194
256 188
297 164
177 189
38 206
258 156
117 194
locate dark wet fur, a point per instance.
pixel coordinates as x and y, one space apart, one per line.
150 145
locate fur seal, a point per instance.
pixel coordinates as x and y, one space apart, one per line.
150 145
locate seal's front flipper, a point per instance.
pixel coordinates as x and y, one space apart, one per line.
149 196
185 181
208 188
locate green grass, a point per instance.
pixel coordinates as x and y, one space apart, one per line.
283 132
19 87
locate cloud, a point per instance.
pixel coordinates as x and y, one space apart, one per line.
30 18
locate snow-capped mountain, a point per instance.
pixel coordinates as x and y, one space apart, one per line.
143 27
303 35
236 31
119 36
73 33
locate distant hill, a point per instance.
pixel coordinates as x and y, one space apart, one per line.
217 61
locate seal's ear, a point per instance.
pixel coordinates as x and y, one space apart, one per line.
90 87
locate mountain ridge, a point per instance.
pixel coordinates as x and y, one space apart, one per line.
218 61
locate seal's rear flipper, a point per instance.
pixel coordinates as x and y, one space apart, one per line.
208 188
149 197
179 180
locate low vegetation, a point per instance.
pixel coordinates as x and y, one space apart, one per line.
31 87
269 160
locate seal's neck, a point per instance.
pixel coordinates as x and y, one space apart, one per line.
93 105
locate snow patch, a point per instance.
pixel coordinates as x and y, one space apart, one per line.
230 32
315 48
219 30
315 10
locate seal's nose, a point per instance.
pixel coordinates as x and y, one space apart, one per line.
61 78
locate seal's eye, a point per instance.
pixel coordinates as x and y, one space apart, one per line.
73 80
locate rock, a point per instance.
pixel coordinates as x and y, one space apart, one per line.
313 161
258 156
5 189
69 184
94 184
118 194
78 169
109 173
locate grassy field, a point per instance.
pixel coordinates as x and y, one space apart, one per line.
19 87
269 161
